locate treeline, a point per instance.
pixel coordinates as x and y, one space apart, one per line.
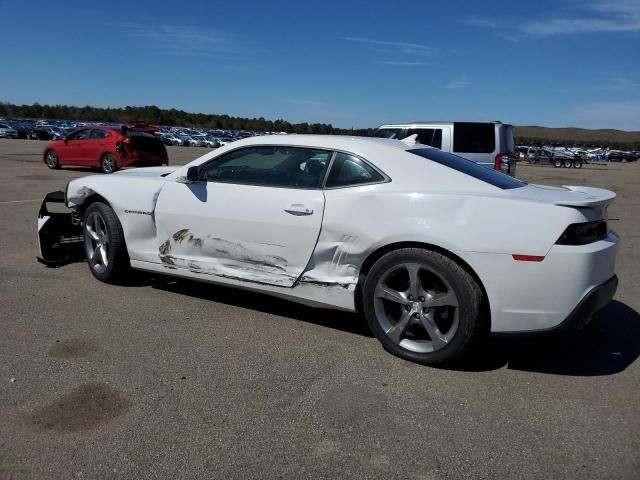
170 117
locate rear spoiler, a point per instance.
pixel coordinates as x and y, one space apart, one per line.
59 234
596 197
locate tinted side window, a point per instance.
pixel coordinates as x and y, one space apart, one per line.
474 137
272 166
98 134
427 136
467 167
80 135
348 170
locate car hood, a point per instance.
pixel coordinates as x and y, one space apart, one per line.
569 196
145 172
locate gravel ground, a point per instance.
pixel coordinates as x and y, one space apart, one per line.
170 379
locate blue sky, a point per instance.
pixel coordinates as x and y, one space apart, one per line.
352 64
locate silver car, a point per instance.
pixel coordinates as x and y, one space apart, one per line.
7 131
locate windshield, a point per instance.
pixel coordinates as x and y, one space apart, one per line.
462 165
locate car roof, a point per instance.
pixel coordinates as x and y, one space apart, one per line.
332 142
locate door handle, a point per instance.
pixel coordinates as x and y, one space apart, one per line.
298 210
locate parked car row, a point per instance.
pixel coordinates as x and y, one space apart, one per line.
565 156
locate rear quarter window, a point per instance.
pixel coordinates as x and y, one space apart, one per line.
474 137
462 165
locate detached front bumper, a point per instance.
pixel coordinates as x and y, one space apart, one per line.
59 233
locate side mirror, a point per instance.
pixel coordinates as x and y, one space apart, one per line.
193 174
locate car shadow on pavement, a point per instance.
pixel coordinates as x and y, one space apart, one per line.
344 321
607 345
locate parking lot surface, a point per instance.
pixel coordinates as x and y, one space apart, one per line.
174 379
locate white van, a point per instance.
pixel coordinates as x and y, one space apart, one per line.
489 144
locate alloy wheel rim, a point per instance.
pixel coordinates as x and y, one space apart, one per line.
96 242
416 308
108 163
51 159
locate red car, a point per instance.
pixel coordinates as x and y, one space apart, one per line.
106 148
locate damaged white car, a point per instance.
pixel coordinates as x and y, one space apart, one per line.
433 249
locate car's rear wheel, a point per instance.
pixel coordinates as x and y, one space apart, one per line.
422 306
51 159
557 163
577 164
108 163
567 163
104 244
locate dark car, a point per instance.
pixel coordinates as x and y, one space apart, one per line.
47 133
106 148
23 129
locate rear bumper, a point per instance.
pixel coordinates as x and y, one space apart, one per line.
593 302
526 296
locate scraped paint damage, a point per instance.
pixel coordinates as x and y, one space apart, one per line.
226 259
332 266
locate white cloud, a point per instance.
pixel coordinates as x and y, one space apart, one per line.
484 22
595 17
458 84
183 40
403 64
406 48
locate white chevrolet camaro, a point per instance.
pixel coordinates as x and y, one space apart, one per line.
432 249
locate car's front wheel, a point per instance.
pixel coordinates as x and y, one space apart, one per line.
423 306
104 244
108 163
51 159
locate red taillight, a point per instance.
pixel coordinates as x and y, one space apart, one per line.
498 163
527 258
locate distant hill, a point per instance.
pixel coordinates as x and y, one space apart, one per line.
577 136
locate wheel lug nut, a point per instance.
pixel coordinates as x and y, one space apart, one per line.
407 308
417 315
411 297
422 299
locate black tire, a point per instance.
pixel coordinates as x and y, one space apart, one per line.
118 266
52 160
577 164
108 163
470 322
567 163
